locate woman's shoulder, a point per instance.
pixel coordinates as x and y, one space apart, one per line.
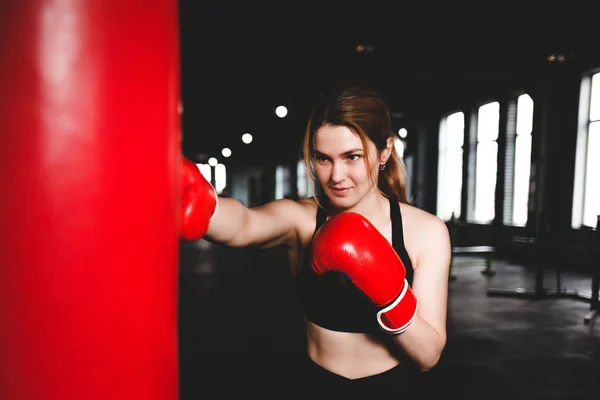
425 234
304 214
417 220
308 206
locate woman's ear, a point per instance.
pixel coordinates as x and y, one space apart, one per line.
387 151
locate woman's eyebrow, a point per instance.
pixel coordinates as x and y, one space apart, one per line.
347 152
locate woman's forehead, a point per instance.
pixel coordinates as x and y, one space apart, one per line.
338 138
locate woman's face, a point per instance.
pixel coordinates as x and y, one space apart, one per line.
340 165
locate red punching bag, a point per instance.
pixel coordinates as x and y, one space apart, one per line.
89 178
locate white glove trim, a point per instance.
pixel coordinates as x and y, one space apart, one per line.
391 306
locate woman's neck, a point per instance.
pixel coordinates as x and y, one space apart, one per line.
372 206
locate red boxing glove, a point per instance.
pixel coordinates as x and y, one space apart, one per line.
198 202
350 244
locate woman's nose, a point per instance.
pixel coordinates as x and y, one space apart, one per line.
338 172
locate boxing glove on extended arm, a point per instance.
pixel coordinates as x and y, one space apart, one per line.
198 202
350 244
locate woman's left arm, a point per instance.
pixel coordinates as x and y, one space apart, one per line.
424 340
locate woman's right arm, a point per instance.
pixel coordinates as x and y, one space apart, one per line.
228 222
265 226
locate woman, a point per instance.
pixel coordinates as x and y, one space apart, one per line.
349 149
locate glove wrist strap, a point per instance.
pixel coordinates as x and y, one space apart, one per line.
397 316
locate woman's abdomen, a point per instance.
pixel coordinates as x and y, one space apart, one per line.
352 355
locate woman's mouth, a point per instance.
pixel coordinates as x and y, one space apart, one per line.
340 191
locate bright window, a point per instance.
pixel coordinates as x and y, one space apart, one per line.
400 142
302 185
282 182
220 178
518 160
399 146
486 162
451 141
586 194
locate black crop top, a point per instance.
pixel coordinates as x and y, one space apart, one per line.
332 301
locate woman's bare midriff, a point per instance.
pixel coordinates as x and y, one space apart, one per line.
352 355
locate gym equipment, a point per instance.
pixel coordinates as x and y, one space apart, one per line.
540 292
90 149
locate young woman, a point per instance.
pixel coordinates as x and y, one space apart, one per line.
373 283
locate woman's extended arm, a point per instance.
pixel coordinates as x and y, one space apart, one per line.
268 225
227 221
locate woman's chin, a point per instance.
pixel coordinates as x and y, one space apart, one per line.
341 202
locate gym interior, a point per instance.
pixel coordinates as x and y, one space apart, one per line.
497 114
522 209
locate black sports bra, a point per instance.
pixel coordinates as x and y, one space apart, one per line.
332 301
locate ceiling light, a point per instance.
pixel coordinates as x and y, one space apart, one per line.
247 138
281 111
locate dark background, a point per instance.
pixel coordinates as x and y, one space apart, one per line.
241 60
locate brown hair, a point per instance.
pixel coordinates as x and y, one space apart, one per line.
363 111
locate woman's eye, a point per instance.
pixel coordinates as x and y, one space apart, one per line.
321 159
353 157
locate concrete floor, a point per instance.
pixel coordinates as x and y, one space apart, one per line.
241 331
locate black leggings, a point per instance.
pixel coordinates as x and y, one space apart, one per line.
315 382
